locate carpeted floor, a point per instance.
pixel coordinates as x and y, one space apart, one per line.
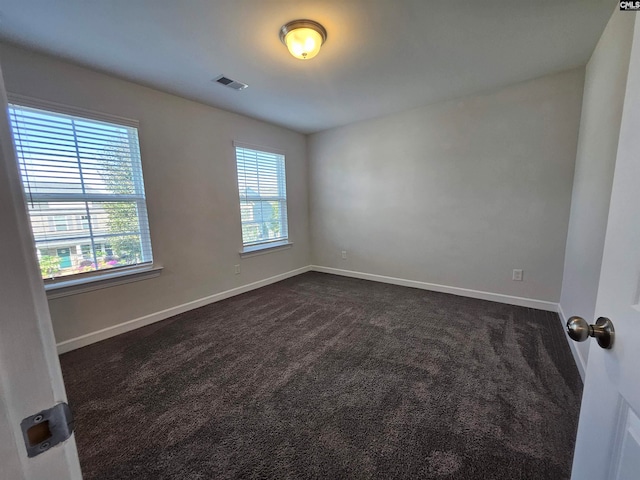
329 377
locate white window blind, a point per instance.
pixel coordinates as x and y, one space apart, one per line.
83 183
263 196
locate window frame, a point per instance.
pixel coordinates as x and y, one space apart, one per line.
249 249
102 278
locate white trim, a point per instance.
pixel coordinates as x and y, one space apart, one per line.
258 148
25 101
114 330
104 279
463 292
262 248
577 356
93 337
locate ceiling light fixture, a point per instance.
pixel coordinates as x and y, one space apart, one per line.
303 38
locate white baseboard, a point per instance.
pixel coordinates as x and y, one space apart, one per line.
114 330
463 292
577 356
93 337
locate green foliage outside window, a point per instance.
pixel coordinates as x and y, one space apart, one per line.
123 216
49 266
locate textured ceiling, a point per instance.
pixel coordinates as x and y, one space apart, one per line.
381 56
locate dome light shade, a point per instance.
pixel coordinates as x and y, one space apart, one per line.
303 38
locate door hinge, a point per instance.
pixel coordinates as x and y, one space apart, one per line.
47 429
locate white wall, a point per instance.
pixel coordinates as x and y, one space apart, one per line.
189 170
605 82
456 194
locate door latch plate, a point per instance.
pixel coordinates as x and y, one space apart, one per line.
47 429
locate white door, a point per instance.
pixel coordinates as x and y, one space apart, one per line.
608 442
30 377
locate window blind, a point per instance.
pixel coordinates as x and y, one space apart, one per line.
83 183
263 196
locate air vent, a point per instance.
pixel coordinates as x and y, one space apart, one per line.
227 82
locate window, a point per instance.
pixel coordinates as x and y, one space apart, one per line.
60 223
263 197
82 179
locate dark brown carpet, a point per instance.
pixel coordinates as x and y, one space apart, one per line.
322 376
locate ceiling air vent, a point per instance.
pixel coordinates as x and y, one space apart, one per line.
227 82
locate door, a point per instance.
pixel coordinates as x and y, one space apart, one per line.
608 441
65 257
30 378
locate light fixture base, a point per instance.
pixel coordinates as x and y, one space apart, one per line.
302 23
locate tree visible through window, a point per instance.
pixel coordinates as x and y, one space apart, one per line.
263 196
82 179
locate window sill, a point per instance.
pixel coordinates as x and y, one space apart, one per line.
64 288
261 249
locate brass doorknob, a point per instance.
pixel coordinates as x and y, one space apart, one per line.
579 330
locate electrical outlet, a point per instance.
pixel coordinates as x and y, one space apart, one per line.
517 274
237 267
344 254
